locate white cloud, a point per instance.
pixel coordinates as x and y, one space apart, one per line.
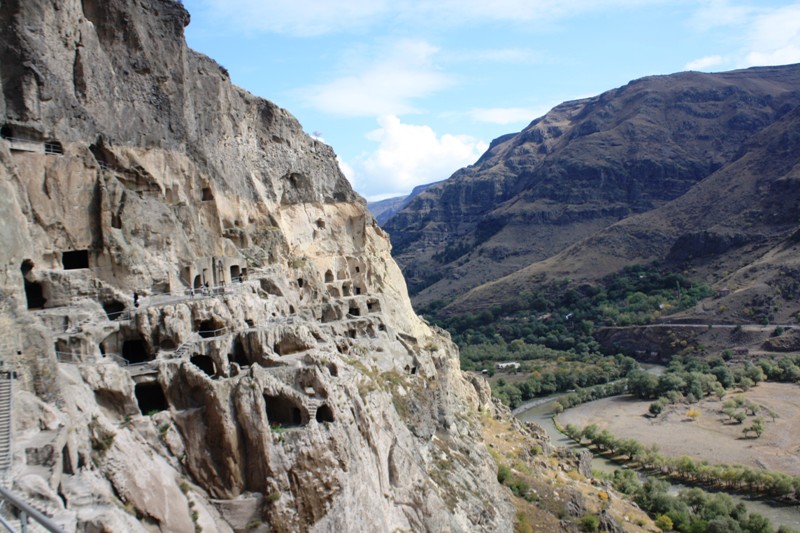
409 155
347 170
704 63
719 13
766 35
388 86
774 37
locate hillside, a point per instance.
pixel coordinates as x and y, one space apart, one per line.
586 166
736 230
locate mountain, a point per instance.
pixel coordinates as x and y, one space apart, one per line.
738 229
384 210
575 174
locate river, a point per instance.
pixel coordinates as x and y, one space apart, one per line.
540 411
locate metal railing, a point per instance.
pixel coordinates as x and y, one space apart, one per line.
211 333
26 510
50 147
74 358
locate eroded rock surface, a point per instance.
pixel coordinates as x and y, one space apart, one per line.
207 326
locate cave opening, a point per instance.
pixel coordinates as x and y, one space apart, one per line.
204 363
198 282
208 195
6 132
34 291
75 259
328 276
114 309
239 356
354 310
150 397
210 328
53 147
235 273
282 411
289 345
324 413
135 351
373 306
168 343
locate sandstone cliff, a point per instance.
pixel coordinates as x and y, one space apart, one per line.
298 391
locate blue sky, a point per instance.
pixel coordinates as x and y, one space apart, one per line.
408 91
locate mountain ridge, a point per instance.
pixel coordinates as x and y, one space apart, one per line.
582 167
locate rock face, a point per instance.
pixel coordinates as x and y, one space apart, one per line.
207 327
583 167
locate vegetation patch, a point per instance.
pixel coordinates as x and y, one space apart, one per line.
549 331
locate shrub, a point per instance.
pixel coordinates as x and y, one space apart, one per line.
503 473
590 523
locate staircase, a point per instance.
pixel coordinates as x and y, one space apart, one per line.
313 405
6 383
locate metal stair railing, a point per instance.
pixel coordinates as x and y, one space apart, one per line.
26 510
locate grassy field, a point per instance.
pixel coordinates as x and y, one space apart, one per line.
710 437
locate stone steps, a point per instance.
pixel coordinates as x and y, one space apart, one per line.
6 384
313 406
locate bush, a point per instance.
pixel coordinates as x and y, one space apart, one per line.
664 522
503 473
590 523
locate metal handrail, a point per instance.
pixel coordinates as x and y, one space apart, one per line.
72 358
26 509
213 332
50 147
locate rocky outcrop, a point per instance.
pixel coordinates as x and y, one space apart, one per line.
583 167
206 324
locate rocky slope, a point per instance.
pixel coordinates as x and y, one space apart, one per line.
383 210
299 391
581 168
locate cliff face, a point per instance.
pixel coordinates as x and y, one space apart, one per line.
298 391
582 167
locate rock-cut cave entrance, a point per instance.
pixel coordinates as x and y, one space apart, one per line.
324 414
150 398
204 363
114 309
209 328
239 356
34 291
135 351
282 411
75 259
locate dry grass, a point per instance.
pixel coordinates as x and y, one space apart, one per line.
710 437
